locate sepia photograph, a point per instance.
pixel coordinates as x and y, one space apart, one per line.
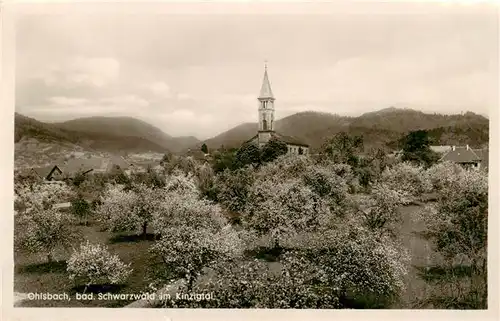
260 159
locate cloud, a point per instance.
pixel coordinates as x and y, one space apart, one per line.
160 89
182 115
96 72
183 96
125 101
77 106
79 64
68 101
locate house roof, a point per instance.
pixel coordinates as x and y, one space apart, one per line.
440 148
483 154
196 153
116 161
145 165
461 155
265 90
45 171
74 165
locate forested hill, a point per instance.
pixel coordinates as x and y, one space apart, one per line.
102 133
382 128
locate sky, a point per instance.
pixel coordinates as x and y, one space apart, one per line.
200 74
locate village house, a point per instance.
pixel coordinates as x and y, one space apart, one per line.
266 122
67 168
439 149
463 155
47 173
115 163
94 165
467 157
142 167
197 154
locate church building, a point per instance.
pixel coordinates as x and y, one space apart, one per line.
266 122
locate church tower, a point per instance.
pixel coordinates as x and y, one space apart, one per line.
266 111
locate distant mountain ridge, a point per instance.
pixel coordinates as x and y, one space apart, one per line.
26 128
103 133
129 126
381 128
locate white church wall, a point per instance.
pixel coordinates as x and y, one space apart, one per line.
295 149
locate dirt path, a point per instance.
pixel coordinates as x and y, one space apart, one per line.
421 255
19 297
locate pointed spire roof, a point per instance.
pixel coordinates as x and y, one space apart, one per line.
265 91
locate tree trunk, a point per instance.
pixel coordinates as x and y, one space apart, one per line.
144 228
190 279
485 276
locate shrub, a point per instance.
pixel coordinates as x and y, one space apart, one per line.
458 223
253 284
81 209
377 160
457 226
407 179
193 234
272 150
205 179
43 231
152 178
366 176
204 148
346 172
343 148
116 207
380 210
187 249
284 167
130 210
379 272
185 164
325 183
78 178
225 159
167 158
93 186
232 188
180 182
363 268
343 270
248 154
93 264
119 177
443 174
416 148
181 209
41 196
283 209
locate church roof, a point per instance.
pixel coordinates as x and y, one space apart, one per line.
265 90
289 139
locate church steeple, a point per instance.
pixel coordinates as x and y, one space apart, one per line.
265 90
266 110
